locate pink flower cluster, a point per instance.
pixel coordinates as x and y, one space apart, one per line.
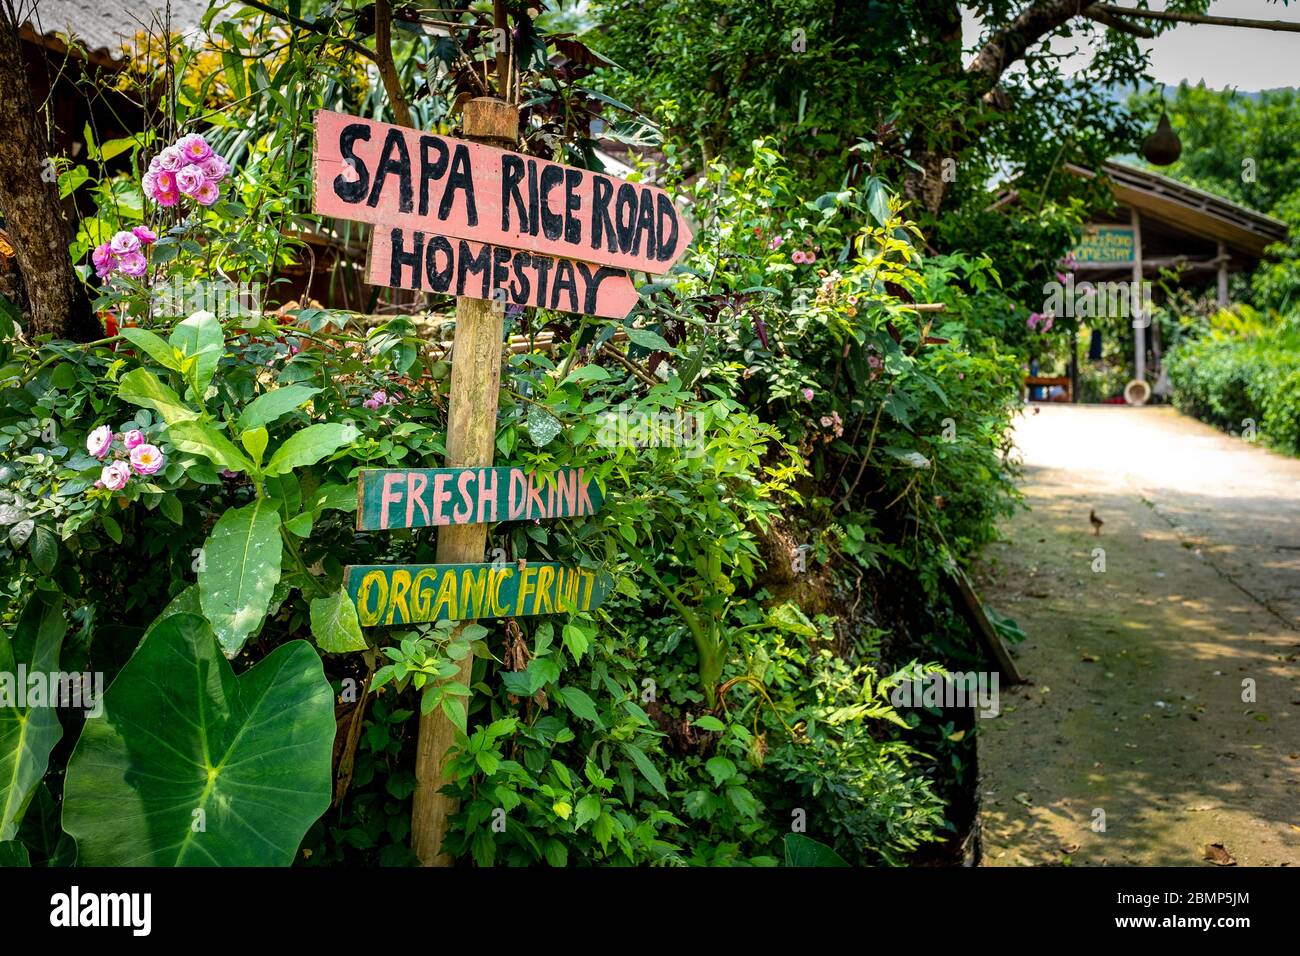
1035 318
187 168
800 258
141 457
379 398
124 253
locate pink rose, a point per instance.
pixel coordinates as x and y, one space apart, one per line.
149 181
146 459
807 394
167 199
194 148
115 476
133 438
146 235
207 193
215 168
124 242
99 441
134 264
171 159
103 259
189 180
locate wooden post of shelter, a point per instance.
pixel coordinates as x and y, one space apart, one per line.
1140 319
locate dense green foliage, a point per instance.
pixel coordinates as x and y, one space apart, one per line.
1243 375
846 365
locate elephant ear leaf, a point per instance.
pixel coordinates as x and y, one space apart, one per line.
203 768
27 733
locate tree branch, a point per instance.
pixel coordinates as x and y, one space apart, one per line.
1104 17
387 68
1289 26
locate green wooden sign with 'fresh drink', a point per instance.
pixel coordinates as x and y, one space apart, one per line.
430 497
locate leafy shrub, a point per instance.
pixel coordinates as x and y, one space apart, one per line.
1243 378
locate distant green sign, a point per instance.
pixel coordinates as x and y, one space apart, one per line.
1105 244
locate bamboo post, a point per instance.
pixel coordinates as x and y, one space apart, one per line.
471 439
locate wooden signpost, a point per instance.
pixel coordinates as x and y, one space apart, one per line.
493 228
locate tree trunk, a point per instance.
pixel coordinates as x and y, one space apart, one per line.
29 200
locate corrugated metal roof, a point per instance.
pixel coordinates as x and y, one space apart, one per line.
103 25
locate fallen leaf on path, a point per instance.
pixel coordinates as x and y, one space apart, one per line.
1202 807
1025 799
1089 658
1216 854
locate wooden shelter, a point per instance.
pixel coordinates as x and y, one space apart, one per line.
1160 224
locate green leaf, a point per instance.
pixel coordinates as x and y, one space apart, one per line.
241 569
542 426
254 441
28 734
44 547
300 524
13 853
720 769
337 497
311 445
154 345
805 851
743 801
192 766
588 809
334 624
266 408
200 439
578 702
111 528
648 770
140 387
200 337
171 507
649 340
709 722
588 373
575 639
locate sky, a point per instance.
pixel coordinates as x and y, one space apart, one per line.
1244 59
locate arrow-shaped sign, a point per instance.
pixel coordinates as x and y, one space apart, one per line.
429 262
397 177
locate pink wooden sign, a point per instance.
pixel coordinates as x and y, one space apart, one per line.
392 176
430 262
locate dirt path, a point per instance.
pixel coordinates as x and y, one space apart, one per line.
1136 703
